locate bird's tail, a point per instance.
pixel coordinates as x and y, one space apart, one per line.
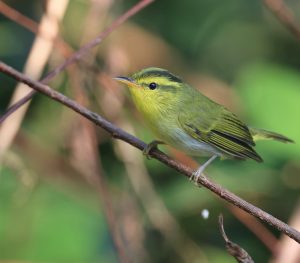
260 134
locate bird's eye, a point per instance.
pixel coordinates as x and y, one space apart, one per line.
152 85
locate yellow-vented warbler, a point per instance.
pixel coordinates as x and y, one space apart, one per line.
184 118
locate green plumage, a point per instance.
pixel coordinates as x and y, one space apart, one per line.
219 128
183 117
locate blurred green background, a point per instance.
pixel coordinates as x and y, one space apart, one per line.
51 202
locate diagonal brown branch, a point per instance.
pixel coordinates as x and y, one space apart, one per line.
124 136
33 27
38 56
284 15
18 17
257 228
78 54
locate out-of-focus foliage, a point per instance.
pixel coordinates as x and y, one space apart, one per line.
234 51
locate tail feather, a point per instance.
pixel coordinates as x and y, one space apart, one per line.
260 134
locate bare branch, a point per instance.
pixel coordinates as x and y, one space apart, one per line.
234 249
19 18
33 27
86 157
122 135
78 54
257 228
38 56
284 15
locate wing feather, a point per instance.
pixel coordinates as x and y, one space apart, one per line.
232 146
224 131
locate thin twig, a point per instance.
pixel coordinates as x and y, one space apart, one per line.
240 254
288 250
18 17
33 27
91 168
122 135
78 54
86 157
284 15
159 215
37 59
257 228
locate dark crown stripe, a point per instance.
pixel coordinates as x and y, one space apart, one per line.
161 73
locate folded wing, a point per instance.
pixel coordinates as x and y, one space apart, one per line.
222 130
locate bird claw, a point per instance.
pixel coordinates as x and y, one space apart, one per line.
152 145
147 150
198 173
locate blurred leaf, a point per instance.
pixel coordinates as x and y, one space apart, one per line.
51 226
9 44
271 95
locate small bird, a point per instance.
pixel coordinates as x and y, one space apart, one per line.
181 116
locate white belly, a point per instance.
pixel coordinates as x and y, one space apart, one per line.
182 141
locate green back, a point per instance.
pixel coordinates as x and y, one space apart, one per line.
211 123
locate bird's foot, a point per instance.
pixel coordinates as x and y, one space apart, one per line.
198 173
152 145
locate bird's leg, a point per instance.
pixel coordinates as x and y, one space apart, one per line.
201 169
152 145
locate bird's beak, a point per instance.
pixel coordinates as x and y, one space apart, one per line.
127 81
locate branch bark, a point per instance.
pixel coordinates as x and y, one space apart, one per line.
240 254
124 136
38 56
78 54
285 15
18 17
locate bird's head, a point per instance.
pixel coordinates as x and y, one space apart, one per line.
153 87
